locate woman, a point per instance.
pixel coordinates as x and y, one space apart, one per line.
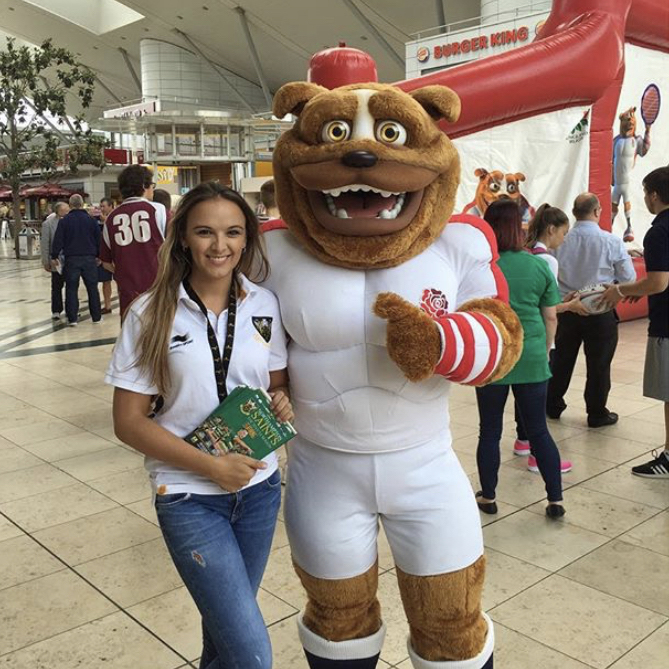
105 277
546 232
533 295
217 514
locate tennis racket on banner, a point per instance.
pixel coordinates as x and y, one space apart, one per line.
650 104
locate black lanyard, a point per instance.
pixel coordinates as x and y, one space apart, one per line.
220 366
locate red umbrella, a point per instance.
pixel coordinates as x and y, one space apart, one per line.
49 191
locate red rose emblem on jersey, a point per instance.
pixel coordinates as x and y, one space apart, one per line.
434 303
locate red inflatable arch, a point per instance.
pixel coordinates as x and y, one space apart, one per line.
578 59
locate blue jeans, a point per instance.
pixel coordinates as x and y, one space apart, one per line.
520 430
220 545
531 403
81 267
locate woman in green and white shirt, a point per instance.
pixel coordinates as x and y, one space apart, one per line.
533 295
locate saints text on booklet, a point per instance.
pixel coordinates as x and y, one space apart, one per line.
243 423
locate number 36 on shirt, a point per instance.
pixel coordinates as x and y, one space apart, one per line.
131 228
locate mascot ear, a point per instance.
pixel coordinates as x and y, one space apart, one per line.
520 176
480 173
439 102
291 98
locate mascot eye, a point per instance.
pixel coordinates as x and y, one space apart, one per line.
391 132
336 131
494 186
511 188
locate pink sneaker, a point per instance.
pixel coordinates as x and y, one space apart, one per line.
565 465
521 447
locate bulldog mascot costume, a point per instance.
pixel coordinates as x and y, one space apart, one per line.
386 305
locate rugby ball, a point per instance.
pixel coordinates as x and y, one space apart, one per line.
590 296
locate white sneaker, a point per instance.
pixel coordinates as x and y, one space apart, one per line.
98 322
55 316
73 324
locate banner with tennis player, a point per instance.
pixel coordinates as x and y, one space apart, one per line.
641 140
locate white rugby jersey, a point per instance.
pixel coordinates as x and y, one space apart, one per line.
347 393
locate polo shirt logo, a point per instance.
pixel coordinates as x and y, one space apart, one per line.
180 340
264 326
434 303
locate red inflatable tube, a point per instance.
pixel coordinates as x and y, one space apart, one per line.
648 24
577 60
573 62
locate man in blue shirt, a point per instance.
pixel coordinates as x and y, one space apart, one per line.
656 286
588 255
78 238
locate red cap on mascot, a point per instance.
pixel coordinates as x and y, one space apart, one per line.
340 66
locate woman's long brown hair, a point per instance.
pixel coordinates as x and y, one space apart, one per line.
174 265
543 218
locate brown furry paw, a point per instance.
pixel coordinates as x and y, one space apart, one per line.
412 339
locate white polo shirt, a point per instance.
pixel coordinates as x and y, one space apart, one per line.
193 395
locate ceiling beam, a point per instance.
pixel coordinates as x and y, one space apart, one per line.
254 55
47 86
109 90
353 8
270 30
441 16
131 69
215 68
53 126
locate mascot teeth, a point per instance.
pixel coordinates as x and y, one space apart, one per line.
354 188
341 212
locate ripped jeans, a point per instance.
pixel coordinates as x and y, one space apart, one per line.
220 545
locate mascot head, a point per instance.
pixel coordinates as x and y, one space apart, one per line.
496 185
365 178
628 122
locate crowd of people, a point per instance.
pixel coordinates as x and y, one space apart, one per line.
115 243
187 285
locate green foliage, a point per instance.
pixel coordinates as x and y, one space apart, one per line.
34 83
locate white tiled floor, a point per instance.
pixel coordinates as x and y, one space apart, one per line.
85 580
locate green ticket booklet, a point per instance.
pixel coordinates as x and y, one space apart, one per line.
243 423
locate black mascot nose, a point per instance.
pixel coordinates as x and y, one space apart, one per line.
359 159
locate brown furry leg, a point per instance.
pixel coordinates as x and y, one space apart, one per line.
342 609
444 612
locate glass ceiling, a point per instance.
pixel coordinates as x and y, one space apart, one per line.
96 16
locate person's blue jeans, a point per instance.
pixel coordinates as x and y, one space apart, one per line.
220 545
531 403
81 267
520 430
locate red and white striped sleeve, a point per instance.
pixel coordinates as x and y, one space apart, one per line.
471 347
471 337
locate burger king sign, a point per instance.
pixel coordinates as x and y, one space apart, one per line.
422 54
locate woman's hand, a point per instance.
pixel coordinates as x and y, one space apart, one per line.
281 406
233 471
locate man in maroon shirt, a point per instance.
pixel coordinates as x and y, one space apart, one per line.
132 235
